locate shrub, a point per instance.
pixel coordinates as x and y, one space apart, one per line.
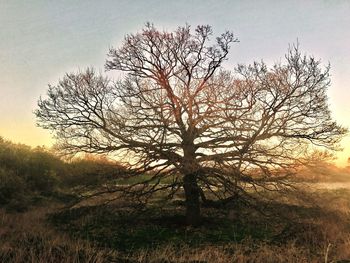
13 192
25 174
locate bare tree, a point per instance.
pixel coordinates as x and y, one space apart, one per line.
178 115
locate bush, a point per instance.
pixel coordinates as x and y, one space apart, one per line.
26 174
13 192
11 186
91 171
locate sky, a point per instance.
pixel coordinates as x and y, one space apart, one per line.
42 40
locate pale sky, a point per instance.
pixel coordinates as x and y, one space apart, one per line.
41 40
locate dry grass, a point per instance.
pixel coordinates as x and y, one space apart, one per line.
248 251
29 237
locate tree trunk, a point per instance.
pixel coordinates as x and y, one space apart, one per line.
192 194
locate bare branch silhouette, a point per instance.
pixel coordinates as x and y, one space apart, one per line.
178 114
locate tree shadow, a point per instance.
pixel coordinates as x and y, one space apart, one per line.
130 229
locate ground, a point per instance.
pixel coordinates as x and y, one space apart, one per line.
315 228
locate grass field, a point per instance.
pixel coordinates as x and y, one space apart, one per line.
289 230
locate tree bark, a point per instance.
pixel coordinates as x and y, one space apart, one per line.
192 194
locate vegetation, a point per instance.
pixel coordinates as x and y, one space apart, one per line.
29 176
209 161
179 114
26 174
297 232
311 226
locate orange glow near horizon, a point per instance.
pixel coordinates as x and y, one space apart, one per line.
27 133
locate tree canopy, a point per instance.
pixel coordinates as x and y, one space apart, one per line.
177 114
